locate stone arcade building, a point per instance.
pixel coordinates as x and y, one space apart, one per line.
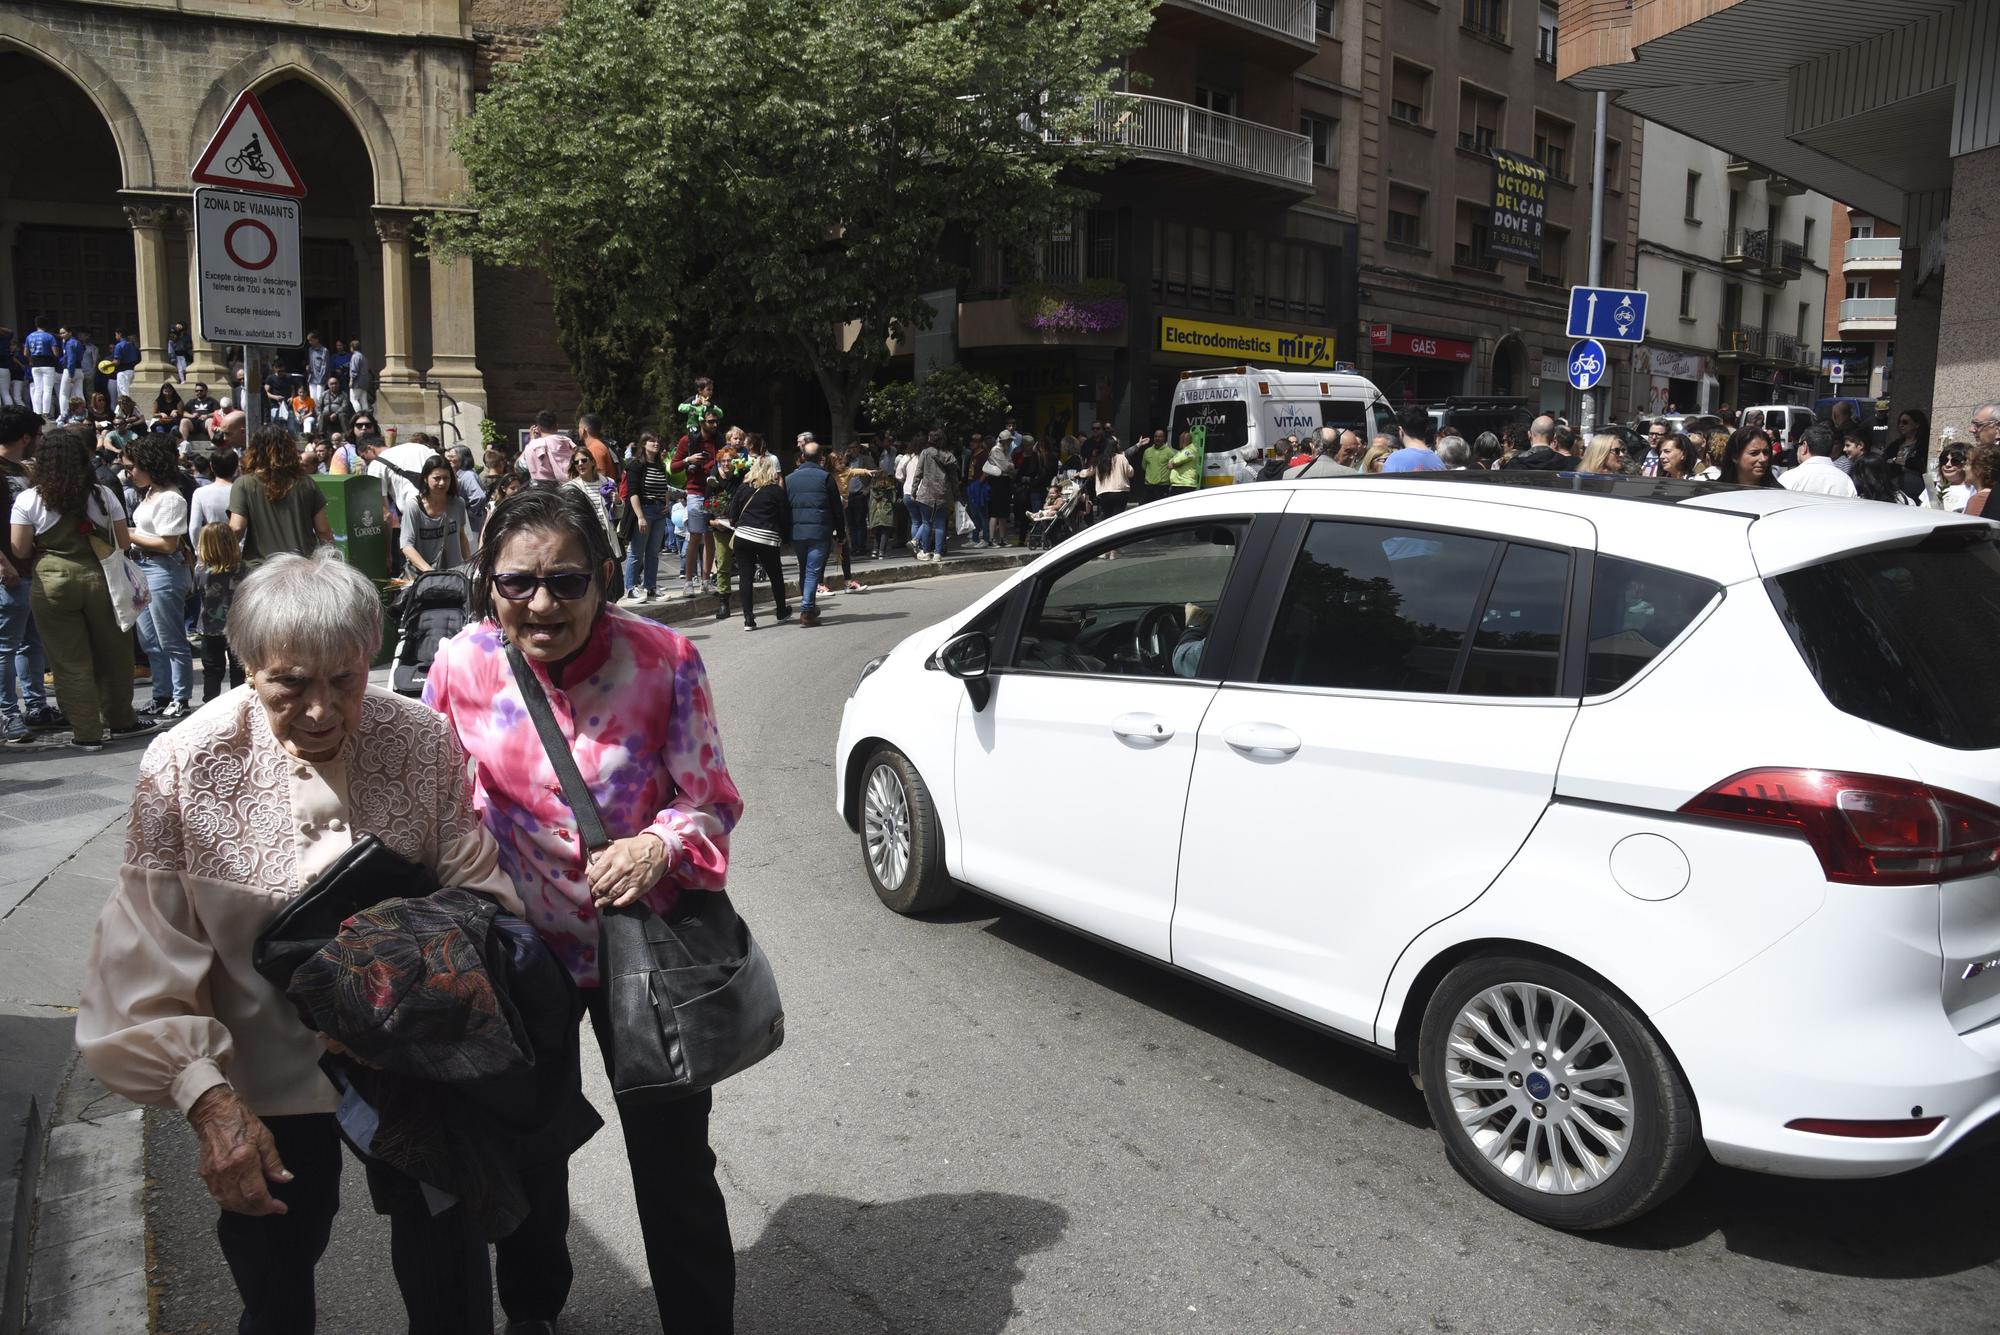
114 98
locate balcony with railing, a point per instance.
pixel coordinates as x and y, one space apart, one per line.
1790 351
1787 260
1739 342
1876 254
1746 249
1742 169
1285 20
1871 313
1471 255
1163 130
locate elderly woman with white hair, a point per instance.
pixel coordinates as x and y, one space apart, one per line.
235 812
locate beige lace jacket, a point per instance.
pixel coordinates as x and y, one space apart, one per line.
225 828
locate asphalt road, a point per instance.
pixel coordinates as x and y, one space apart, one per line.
981 1124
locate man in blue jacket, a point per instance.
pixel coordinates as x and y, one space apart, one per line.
126 354
72 374
44 367
816 521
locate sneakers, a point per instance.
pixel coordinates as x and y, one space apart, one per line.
18 735
749 625
132 729
78 744
854 586
45 717
822 590
177 710
155 709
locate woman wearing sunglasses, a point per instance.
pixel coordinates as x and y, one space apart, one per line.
633 701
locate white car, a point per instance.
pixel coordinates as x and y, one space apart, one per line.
1641 818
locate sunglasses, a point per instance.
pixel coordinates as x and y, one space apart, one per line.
567 587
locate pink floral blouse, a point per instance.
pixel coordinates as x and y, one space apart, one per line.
641 725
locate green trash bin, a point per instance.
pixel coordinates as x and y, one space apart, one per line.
354 510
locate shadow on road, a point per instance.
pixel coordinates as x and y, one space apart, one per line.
1936 1221
1326 1061
827 1264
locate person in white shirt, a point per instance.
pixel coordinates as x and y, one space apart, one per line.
160 532
210 504
1816 472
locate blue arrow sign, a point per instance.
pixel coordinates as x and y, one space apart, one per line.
1587 364
1613 314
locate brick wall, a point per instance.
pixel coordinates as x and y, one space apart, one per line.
504 30
515 331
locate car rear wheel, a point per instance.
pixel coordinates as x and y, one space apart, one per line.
901 843
1552 1096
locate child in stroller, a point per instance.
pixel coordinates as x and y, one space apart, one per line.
435 606
1061 513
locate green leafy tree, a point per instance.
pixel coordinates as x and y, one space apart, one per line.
778 179
951 399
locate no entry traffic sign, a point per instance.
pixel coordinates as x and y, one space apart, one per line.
248 250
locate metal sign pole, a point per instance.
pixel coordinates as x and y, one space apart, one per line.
252 396
1596 240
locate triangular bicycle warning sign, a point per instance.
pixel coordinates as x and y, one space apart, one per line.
245 154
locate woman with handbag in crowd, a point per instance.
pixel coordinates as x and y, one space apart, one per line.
68 525
632 701
236 814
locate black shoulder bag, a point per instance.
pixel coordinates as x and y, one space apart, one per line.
692 998
362 877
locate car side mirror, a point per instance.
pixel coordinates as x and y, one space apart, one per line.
966 656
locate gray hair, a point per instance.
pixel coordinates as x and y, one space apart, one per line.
1453 452
318 608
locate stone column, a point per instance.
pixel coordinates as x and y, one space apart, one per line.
206 365
394 230
149 246
452 342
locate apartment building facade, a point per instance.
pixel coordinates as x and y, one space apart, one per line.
1446 83
1225 235
1860 326
1736 259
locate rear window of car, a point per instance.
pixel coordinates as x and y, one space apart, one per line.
1905 638
1636 611
1220 426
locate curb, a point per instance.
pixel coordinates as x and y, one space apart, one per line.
703 607
24 1118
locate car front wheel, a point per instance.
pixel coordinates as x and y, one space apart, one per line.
901 843
1552 1096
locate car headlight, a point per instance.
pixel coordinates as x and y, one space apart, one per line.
868 670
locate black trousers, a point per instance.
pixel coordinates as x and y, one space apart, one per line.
215 653
689 1256
440 1265
750 558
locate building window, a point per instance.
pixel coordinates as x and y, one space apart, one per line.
1735 206
1805 311
1860 225
1687 294
1194 266
1552 139
1608 263
1857 289
1555 259
1085 246
1488 18
1294 280
1323 17
1323 133
1471 245
1692 210
1546 25
1480 117
1410 93
1614 162
1406 216
1806 237
1217 100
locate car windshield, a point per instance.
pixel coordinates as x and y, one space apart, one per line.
1903 638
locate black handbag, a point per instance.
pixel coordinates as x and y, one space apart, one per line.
692 998
362 877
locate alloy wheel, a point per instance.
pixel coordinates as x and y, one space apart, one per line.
885 815
1539 1088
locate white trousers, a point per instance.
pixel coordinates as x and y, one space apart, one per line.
71 387
362 400
42 382
124 386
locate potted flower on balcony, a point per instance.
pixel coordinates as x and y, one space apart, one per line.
1092 306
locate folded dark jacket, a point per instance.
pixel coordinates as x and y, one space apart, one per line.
471 1025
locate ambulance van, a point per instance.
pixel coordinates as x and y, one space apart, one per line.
1240 413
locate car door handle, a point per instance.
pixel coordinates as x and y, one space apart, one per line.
1262 739
1148 729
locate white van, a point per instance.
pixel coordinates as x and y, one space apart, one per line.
1783 420
1242 412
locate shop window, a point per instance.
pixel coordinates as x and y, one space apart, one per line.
1409 93
1406 216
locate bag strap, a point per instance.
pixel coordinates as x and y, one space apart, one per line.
589 821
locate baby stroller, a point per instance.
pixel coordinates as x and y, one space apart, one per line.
1060 517
435 608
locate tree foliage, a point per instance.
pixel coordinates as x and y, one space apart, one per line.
951 399
779 178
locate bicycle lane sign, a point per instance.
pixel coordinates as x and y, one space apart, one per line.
246 154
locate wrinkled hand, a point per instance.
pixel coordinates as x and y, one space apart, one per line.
237 1154
625 869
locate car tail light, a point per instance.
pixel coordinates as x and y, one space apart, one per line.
1893 1130
1866 829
